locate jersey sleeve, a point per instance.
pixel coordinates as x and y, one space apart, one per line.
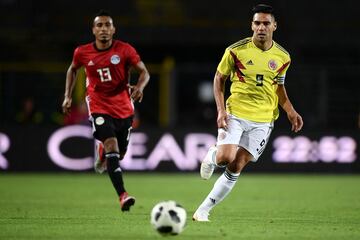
132 55
280 79
226 64
77 58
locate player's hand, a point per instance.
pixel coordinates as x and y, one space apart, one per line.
136 93
66 105
295 120
222 119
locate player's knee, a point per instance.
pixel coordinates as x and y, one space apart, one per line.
111 145
223 158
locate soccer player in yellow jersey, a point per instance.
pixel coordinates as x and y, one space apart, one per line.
256 66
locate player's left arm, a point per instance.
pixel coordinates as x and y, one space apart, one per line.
144 77
284 101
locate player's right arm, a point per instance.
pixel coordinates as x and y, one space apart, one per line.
224 69
219 90
69 87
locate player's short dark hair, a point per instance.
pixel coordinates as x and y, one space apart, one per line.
263 8
103 12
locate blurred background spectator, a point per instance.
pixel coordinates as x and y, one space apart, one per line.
28 114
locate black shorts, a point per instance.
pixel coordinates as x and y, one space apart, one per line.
105 126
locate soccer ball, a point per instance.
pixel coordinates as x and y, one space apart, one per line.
168 218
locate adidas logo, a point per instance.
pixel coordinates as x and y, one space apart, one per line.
249 63
91 63
213 200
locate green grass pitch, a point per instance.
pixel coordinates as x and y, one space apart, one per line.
84 206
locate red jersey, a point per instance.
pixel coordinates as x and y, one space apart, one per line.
107 74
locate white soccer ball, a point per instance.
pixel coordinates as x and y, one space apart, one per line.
168 218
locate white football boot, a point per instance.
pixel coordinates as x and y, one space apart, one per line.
201 216
208 163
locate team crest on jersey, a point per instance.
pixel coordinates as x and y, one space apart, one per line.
272 64
115 59
99 121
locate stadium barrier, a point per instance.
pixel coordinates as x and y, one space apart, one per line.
71 148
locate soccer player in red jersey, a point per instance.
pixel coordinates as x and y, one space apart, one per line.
109 96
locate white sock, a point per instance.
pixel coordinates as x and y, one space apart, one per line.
221 189
213 158
213 155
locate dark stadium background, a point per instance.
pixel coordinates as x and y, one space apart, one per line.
181 42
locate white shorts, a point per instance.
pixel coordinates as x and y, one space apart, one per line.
253 136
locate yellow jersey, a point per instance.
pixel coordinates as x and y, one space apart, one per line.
254 76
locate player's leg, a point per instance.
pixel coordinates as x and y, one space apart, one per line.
226 182
243 157
219 158
112 156
123 127
254 141
100 160
209 163
227 148
222 186
105 131
252 144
